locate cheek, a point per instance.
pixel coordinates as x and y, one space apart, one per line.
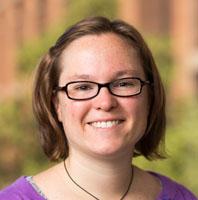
69 118
73 112
137 110
140 120
136 106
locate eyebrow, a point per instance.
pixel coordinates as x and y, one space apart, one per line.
131 72
80 76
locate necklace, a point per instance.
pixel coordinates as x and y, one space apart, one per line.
123 196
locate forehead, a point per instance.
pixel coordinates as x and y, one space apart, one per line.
97 54
104 41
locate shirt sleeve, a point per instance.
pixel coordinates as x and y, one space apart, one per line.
183 193
10 195
20 190
171 190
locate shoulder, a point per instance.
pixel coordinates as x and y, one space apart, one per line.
21 189
171 190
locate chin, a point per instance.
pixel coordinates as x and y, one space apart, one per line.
110 151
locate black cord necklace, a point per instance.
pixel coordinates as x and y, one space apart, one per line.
123 196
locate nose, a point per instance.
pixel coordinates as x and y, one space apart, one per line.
105 100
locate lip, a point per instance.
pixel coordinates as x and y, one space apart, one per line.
106 119
116 123
106 125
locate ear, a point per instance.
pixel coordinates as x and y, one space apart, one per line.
57 107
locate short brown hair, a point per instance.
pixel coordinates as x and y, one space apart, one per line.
53 139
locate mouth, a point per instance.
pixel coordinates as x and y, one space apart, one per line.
105 124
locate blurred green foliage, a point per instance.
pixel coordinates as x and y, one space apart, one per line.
181 147
19 146
160 47
20 150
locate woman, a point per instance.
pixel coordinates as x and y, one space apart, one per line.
99 102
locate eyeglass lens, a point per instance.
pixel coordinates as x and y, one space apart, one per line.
121 87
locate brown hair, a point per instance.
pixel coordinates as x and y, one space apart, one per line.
52 135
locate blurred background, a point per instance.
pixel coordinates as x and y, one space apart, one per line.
29 27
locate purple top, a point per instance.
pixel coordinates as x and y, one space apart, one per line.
23 189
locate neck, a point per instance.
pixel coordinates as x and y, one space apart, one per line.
111 174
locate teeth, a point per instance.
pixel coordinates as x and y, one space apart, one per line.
105 124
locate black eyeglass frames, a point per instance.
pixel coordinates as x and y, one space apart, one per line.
85 90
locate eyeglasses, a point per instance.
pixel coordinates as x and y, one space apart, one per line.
85 90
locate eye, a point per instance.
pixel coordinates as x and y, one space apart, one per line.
83 86
125 83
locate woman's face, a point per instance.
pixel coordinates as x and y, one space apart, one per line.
106 125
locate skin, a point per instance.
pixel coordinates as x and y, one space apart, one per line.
100 158
102 59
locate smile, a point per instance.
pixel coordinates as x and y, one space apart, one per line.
105 124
